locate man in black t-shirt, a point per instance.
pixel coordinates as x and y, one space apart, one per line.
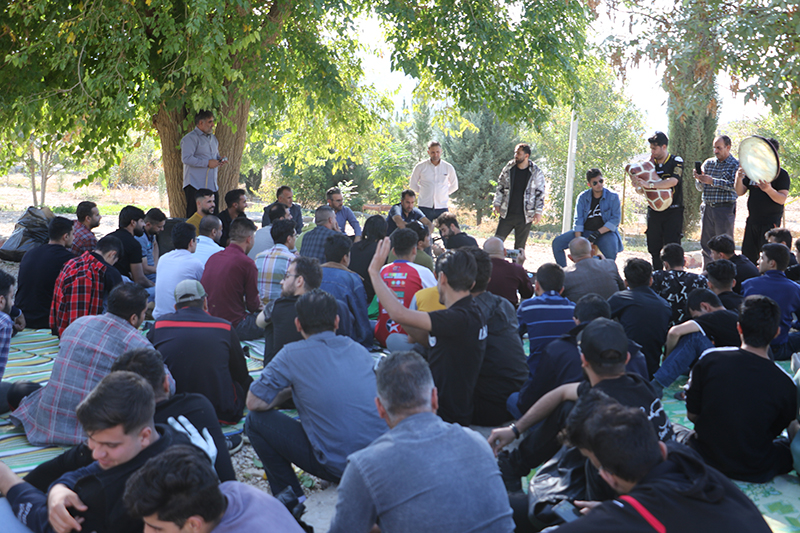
764 207
131 223
451 234
664 227
721 276
456 335
722 247
711 325
519 197
740 401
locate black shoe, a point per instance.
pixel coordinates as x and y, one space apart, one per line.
511 479
235 443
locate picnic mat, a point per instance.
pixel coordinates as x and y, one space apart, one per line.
31 358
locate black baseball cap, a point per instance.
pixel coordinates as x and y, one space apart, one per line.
603 342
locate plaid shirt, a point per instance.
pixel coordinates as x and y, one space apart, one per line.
85 241
78 291
88 348
6 330
272 265
724 176
313 243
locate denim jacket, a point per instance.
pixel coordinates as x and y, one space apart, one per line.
609 209
346 286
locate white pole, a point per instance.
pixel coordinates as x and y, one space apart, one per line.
566 222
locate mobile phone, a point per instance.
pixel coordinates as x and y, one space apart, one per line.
698 167
512 254
567 511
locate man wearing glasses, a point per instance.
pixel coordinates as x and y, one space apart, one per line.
597 215
665 227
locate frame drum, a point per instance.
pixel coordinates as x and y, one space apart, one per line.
759 159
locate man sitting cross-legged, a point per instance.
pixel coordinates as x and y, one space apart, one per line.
456 335
334 401
723 247
88 219
86 352
664 487
710 325
118 419
208 239
391 480
740 401
273 262
721 276
202 352
178 491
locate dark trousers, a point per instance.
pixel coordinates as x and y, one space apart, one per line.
281 441
191 206
432 213
718 219
11 394
754 237
521 229
541 441
663 227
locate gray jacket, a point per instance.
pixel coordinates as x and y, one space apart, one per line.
533 202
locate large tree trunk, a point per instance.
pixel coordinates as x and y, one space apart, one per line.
169 125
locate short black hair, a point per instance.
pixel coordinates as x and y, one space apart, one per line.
459 267
722 244
591 306
778 252
337 246
241 229
127 299
774 142
84 210
593 173
281 189
58 227
202 115
483 264
276 212
419 228
155 216
208 224
550 277
175 485
109 243
182 235
281 230
146 362
525 148
721 273
309 269
128 214
673 255
333 190
446 219
121 398
699 296
375 228
782 235
234 196
659 139
6 282
638 273
407 192
759 318
203 193
403 241
316 311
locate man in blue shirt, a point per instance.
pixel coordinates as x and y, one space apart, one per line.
773 283
597 215
402 214
201 160
545 317
344 215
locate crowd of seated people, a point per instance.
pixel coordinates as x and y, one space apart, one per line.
144 412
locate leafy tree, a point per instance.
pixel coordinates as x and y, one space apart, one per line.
108 67
478 157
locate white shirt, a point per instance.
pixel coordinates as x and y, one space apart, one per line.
206 247
433 183
173 268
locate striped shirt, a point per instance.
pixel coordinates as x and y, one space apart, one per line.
723 174
272 265
6 330
545 318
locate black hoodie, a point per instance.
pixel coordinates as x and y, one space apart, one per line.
680 494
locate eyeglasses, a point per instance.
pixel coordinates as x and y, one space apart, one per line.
595 182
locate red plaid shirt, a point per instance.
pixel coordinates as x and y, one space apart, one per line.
78 291
84 241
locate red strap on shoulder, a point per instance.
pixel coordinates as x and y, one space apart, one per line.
652 520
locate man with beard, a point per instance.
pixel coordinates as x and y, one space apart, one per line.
434 180
7 283
344 215
154 222
129 263
519 198
204 202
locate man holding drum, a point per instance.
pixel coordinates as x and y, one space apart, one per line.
764 205
665 227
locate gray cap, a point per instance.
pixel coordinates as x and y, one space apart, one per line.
189 290
604 342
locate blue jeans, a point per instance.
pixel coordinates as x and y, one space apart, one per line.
689 348
432 213
607 242
281 441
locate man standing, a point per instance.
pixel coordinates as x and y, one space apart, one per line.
313 243
436 457
434 180
204 206
176 266
717 183
335 401
597 215
231 280
88 219
236 200
402 214
201 160
344 215
154 221
284 196
508 277
519 198
129 264
589 275
764 207
38 271
664 227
